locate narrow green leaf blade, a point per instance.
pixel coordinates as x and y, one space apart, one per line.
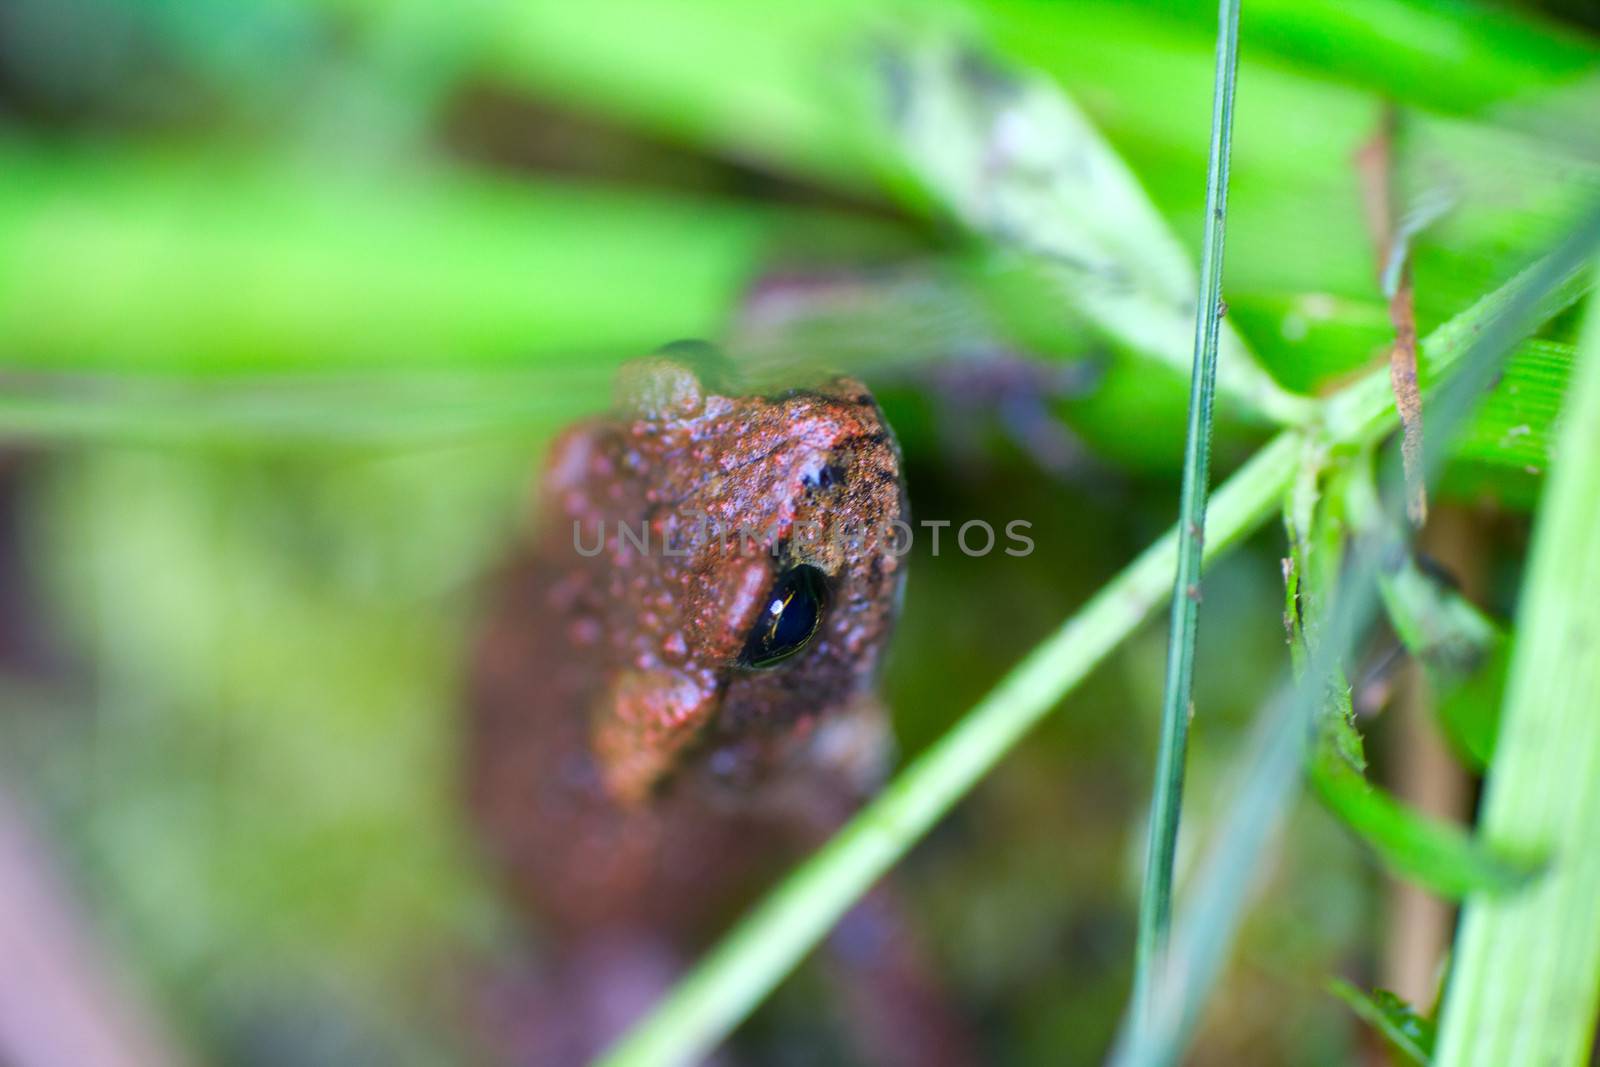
1407 1032
1440 856
1526 983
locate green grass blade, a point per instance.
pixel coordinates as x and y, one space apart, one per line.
1215 906
1155 905
1526 983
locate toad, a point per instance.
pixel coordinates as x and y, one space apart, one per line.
673 693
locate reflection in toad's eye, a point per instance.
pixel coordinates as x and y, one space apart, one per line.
790 618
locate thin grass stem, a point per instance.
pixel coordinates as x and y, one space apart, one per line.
1155 904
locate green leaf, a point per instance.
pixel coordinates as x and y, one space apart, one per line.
1391 46
1475 343
1314 522
1321 515
1010 156
1406 1031
221 262
1462 650
1438 855
1506 448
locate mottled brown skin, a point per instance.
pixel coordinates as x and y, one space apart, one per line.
631 779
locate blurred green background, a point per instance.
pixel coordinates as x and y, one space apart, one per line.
292 292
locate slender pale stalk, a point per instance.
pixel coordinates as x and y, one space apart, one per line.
1155 905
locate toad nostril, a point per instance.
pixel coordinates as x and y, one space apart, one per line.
825 477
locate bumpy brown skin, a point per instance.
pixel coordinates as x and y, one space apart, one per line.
627 774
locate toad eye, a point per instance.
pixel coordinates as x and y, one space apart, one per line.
789 618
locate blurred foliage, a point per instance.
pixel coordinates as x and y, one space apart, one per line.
292 292
261 771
